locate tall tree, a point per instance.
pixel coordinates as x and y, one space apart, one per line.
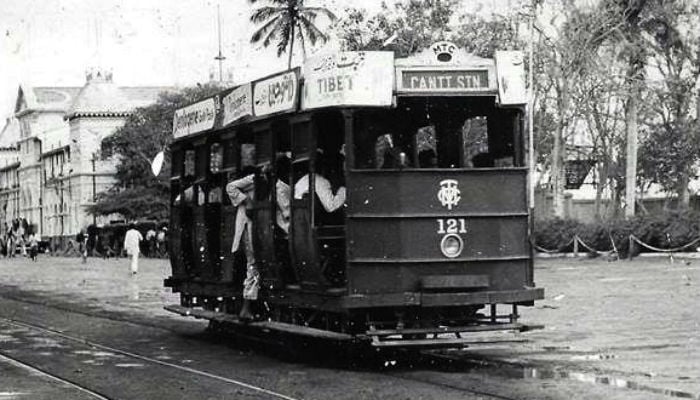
285 21
672 148
148 130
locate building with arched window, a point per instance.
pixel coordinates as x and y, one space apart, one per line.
50 164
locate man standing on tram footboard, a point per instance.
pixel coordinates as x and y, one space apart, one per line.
241 192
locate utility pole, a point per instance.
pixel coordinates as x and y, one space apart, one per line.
220 57
531 111
94 187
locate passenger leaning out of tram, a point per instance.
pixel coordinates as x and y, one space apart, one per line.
330 194
241 192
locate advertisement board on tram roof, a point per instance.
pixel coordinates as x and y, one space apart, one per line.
237 104
276 94
350 78
195 118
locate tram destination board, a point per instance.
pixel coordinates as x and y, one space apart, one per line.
449 80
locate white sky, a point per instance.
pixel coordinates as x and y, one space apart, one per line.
144 42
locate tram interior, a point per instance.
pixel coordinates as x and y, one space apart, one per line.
438 132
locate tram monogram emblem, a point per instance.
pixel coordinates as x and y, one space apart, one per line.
449 194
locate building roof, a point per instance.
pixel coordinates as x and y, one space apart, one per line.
9 135
101 97
45 98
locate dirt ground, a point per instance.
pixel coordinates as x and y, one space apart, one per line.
630 324
623 323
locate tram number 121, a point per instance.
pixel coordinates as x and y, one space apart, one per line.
451 225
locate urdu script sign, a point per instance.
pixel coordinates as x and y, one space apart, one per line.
277 93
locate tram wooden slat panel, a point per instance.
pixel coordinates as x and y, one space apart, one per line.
458 299
451 329
368 278
454 281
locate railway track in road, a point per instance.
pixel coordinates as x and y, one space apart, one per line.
188 370
134 356
33 369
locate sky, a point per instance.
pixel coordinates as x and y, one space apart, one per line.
143 42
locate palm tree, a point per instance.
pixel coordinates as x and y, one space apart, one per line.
287 20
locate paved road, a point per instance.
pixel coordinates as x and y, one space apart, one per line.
585 341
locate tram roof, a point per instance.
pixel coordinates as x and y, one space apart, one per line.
360 79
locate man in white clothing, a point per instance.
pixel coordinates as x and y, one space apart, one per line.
132 241
241 192
329 200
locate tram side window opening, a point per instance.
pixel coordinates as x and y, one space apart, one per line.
437 132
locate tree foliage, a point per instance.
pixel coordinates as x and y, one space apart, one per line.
285 21
137 194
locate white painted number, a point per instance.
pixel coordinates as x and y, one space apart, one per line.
451 225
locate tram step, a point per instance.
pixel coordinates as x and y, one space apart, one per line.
440 342
264 325
451 329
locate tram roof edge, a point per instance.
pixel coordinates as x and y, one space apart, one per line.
441 69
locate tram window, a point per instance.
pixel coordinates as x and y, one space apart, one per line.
231 155
215 196
216 158
263 146
177 163
189 163
301 143
475 143
201 161
247 155
444 132
383 140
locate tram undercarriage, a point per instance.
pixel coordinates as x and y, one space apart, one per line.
415 320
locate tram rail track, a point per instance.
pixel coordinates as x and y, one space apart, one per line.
34 369
84 341
87 342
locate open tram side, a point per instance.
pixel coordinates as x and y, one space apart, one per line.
435 227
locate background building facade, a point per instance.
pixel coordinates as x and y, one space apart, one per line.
50 163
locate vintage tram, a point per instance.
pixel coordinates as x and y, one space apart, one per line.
435 227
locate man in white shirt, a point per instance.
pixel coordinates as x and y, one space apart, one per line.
131 244
329 200
241 192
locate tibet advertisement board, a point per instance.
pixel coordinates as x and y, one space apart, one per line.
275 94
194 118
362 78
237 104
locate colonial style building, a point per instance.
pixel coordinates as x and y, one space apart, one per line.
50 164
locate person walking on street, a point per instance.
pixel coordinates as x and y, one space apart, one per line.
82 239
132 242
33 246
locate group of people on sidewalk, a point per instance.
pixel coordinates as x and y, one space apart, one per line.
18 237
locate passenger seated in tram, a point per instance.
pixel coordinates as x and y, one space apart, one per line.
330 198
241 192
389 156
